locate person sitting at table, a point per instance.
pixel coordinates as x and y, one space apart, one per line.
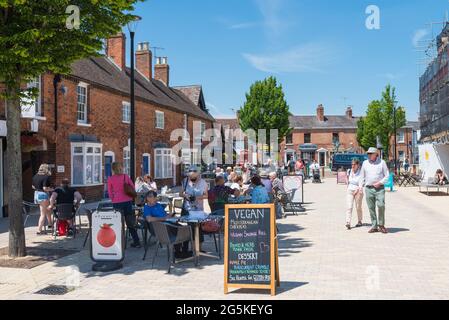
150 182
219 194
258 192
141 186
440 178
237 183
65 195
153 211
276 183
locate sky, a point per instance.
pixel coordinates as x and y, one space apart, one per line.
319 50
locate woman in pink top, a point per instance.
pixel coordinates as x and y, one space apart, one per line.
121 201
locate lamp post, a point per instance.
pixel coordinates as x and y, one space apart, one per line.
132 25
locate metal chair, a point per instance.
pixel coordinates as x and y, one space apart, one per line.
164 238
27 208
89 217
289 206
217 216
147 240
64 211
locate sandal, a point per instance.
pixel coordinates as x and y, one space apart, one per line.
358 225
40 233
348 226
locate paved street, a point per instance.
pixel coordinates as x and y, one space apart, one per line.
319 259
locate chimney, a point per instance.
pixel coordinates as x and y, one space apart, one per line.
349 112
162 70
115 49
144 59
320 112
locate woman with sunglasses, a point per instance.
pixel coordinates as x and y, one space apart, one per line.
354 194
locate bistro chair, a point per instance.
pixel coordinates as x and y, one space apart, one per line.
64 211
29 209
89 218
164 238
217 216
149 231
287 203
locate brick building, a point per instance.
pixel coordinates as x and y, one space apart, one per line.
406 143
315 137
80 122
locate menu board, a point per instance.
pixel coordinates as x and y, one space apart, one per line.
250 247
295 183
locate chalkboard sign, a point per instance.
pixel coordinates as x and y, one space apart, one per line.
250 247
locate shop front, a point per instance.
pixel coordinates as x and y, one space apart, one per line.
308 152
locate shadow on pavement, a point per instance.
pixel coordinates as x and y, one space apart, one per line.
285 287
397 230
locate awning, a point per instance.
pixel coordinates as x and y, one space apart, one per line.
308 147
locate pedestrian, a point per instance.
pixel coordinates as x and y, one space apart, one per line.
41 184
406 165
122 201
291 166
374 175
354 194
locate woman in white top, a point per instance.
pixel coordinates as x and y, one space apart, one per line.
354 194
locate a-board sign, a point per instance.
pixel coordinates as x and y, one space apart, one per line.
250 247
295 183
107 236
342 177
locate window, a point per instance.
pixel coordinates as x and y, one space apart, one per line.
126 112
86 163
33 107
81 91
335 138
307 138
199 138
401 137
160 120
163 168
289 139
186 134
126 160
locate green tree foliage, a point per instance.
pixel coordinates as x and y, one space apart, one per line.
37 36
379 121
266 108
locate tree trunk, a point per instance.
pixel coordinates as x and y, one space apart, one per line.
17 246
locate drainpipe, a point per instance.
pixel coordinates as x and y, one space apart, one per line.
56 80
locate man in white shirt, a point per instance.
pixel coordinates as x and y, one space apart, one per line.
374 175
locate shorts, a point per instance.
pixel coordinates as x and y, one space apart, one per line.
40 196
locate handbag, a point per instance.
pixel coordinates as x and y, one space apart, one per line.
128 189
184 211
210 226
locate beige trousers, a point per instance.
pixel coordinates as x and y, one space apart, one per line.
350 200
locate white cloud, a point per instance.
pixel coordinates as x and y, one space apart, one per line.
311 57
418 36
243 25
218 112
273 20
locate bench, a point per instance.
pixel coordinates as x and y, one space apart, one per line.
430 185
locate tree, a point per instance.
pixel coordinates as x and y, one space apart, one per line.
266 108
38 36
379 121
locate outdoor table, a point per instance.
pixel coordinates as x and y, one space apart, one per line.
170 197
195 218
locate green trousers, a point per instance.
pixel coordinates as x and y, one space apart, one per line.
376 198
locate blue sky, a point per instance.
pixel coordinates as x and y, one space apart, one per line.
320 50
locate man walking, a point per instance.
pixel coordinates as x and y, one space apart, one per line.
374 175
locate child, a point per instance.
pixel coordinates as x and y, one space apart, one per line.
155 212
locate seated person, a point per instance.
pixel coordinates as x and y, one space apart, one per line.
141 185
440 178
65 195
219 194
276 183
150 182
259 194
155 212
238 183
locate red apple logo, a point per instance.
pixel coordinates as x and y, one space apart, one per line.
106 236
